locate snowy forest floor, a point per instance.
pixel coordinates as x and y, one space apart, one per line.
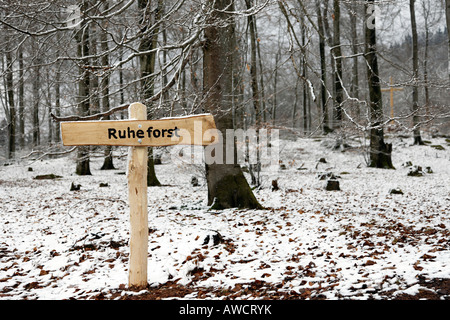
308 243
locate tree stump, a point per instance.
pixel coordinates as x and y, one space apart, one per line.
275 185
75 187
416 171
194 181
332 185
396 191
213 239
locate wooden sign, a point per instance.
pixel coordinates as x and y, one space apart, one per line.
139 133
391 89
192 130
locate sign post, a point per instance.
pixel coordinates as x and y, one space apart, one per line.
137 197
391 89
139 133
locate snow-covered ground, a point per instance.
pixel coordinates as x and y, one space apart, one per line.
361 242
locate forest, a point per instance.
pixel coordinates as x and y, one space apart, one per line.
350 97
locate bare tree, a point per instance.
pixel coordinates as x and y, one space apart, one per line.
255 168
11 110
82 38
323 91
21 98
227 186
380 152
415 54
447 14
149 27
105 83
337 57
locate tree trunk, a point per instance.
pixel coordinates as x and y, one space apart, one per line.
104 85
21 100
354 89
48 101
121 86
227 186
447 13
36 128
57 101
36 95
147 65
294 108
306 111
425 60
323 73
262 97
11 104
337 53
380 152
417 136
275 80
82 36
255 90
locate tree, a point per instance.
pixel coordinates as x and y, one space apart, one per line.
306 100
255 91
323 73
108 160
9 83
380 152
415 54
227 186
82 37
354 88
447 14
337 57
36 93
21 94
148 43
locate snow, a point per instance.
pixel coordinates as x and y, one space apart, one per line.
359 242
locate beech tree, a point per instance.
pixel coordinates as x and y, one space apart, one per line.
11 109
380 152
227 186
105 83
415 65
149 27
447 14
82 38
323 71
337 59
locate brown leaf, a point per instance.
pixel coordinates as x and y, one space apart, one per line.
428 257
370 263
43 272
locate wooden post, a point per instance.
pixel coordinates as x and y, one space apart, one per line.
137 197
138 133
391 89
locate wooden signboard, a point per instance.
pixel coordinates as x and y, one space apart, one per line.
192 130
391 89
139 133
